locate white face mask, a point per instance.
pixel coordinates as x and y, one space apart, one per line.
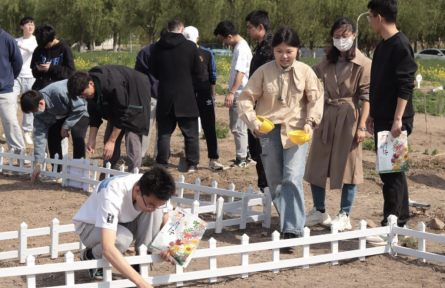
343 44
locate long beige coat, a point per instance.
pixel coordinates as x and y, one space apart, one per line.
334 151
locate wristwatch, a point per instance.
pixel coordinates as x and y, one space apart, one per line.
362 128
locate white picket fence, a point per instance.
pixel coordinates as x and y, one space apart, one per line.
238 203
272 263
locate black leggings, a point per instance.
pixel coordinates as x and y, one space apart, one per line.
78 133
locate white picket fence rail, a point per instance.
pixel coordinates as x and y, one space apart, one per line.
238 203
272 264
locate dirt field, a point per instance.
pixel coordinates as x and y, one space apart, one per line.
38 204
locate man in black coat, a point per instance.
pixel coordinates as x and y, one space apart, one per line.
120 95
173 62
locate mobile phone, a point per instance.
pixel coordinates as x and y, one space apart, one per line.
39 63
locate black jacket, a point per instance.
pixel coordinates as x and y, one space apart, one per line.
173 62
62 64
122 97
262 54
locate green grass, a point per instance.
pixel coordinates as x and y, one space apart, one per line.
222 130
220 90
435 102
369 144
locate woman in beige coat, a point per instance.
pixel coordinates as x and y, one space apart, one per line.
289 94
336 150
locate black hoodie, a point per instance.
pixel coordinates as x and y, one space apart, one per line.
173 62
62 64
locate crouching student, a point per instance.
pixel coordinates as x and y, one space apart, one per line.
55 114
122 209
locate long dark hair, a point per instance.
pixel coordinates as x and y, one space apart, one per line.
333 53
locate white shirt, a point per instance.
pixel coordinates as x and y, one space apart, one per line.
110 203
28 47
242 56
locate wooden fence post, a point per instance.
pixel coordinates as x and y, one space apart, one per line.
245 256
23 242
56 166
334 244
421 242
212 260
392 222
136 170
11 161
69 275
143 266
54 238
306 248
44 163
94 172
231 198
267 209
362 240
250 193
2 150
122 168
181 190
243 215
214 196
108 273
22 153
219 215
195 208
197 192
276 252
30 279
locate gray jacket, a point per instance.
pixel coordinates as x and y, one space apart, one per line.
57 104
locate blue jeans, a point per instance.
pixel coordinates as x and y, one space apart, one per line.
284 173
347 197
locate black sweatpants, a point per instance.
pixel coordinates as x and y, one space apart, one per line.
206 109
78 132
255 152
189 129
395 187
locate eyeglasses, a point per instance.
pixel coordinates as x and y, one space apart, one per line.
369 18
152 208
222 38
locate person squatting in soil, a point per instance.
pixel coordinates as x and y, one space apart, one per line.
289 94
336 149
55 114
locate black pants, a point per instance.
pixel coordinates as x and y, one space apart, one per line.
206 108
255 152
395 187
189 129
78 133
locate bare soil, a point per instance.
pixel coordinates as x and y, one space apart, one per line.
38 204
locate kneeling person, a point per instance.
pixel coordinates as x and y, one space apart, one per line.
54 115
121 209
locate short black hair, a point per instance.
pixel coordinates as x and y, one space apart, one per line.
44 34
26 20
175 25
77 83
30 101
385 8
225 28
287 35
258 17
159 182
163 32
333 53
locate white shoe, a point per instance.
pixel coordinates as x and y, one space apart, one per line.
315 217
214 165
3 135
380 240
28 138
342 220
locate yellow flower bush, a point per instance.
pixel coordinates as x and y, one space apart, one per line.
434 73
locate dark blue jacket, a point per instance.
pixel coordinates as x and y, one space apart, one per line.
143 66
10 62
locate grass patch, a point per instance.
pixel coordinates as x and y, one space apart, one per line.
222 130
369 144
435 152
220 90
435 102
426 152
409 242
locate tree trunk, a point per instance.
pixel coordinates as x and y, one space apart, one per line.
114 42
119 43
81 40
311 47
91 46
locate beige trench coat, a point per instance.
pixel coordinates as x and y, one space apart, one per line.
334 151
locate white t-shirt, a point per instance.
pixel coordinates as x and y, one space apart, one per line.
242 56
28 47
110 203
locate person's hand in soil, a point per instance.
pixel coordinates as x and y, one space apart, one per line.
360 135
64 133
229 99
308 129
108 150
91 145
396 129
36 172
166 256
370 124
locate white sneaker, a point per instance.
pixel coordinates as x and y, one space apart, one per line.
28 138
342 220
214 165
315 217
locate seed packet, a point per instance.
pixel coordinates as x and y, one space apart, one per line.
180 236
392 153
